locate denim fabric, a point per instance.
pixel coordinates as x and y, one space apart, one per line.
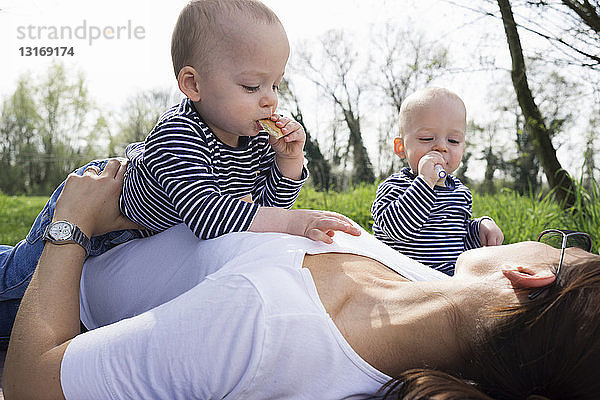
8 312
18 263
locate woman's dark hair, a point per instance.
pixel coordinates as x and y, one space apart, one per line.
547 348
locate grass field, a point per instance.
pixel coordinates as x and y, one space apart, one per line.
519 217
17 213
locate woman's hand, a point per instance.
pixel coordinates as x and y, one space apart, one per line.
91 201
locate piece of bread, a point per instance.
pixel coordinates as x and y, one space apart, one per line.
247 198
271 128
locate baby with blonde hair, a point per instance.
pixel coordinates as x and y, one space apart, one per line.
423 211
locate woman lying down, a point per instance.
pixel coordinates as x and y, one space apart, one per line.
273 316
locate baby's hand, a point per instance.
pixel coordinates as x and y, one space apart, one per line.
319 225
291 146
313 224
427 165
490 234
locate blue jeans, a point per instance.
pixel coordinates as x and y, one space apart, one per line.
18 263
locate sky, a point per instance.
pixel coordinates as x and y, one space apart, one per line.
123 46
117 67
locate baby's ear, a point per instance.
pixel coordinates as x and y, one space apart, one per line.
186 79
399 147
525 278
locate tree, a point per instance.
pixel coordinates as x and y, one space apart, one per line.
405 62
589 166
570 45
335 72
395 63
19 141
571 26
490 153
558 179
45 129
552 92
588 10
63 107
318 166
525 166
139 117
460 173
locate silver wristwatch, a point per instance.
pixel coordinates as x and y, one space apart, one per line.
63 232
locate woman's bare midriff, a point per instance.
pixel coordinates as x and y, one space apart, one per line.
355 290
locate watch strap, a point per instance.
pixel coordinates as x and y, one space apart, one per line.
81 239
77 237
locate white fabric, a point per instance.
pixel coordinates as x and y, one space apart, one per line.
252 329
142 274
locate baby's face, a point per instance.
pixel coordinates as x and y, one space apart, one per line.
438 126
240 86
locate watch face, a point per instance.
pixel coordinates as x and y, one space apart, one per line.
60 230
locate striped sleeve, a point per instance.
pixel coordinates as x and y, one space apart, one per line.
180 163
272 189
401 206
472 239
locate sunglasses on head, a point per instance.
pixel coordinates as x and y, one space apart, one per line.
562 239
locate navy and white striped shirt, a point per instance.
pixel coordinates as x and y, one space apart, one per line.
432 226
184 173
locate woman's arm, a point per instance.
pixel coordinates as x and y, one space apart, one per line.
48 317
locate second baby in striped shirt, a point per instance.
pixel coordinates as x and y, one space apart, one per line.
423 211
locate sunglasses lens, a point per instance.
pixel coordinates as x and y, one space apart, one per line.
553 239
579 240
574 239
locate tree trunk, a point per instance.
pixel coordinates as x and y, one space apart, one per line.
318 166
558 179
362 170
588 12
